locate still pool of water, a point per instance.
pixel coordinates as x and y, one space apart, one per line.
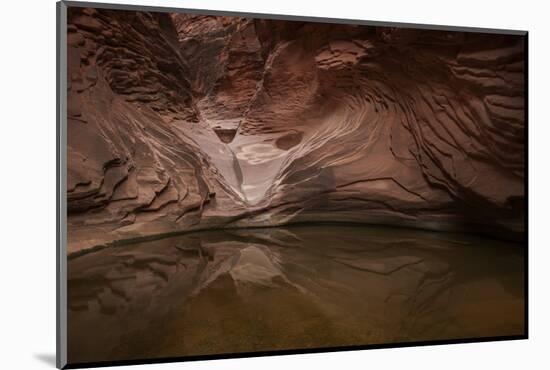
298 287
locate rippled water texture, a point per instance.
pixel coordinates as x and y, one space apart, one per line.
291 288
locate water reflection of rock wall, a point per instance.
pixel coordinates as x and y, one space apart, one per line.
178 122
287 288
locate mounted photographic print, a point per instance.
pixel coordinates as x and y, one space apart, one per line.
237 184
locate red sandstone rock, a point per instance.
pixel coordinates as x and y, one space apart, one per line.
179 121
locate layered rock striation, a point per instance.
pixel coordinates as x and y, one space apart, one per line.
179 122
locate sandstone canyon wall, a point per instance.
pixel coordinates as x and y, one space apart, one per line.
179 122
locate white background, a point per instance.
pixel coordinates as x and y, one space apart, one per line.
27 186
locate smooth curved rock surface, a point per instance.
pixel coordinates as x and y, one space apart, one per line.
178 122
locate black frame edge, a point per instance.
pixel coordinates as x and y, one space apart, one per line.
289 17
61 252
526 182
226 356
